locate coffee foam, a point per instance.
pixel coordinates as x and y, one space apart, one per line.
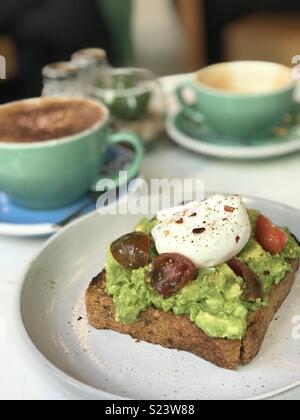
246 77
47 119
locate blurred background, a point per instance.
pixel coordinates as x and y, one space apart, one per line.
166 36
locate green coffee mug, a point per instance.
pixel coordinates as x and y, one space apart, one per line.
55 173
241 100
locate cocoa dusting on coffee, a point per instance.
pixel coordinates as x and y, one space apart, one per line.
47 119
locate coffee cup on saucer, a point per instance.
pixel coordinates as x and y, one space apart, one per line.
242 99
52 150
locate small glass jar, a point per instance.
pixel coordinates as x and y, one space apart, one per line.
92 65
136 102
61 79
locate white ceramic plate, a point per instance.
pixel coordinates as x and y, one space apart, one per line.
228 151
103 364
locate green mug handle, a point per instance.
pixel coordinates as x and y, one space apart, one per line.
134 167
190 111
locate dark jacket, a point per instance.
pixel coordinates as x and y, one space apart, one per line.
47 31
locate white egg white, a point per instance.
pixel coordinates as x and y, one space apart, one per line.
209 233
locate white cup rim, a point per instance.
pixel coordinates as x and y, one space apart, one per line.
228 93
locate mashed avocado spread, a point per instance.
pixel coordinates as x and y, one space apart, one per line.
214 301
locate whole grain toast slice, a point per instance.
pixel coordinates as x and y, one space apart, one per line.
178 332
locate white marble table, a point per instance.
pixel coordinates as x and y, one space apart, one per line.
278 180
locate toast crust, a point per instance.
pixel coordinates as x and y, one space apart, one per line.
259 321
178 332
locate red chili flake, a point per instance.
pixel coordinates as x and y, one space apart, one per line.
198 231
179 222
237 239
229 209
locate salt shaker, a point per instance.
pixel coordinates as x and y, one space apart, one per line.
61 79
93 66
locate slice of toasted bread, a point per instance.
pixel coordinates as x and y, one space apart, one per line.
178 332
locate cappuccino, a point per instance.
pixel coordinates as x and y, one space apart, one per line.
47 119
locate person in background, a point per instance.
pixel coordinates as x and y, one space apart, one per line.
46 31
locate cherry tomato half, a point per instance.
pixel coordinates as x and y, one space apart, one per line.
132 251
254 288
171 272
269 236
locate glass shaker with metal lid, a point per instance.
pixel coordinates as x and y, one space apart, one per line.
93 66
61 79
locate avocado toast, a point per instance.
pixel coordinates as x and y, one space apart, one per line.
220 312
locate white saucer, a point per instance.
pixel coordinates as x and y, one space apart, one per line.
219 149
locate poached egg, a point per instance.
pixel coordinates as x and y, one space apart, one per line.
209 233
